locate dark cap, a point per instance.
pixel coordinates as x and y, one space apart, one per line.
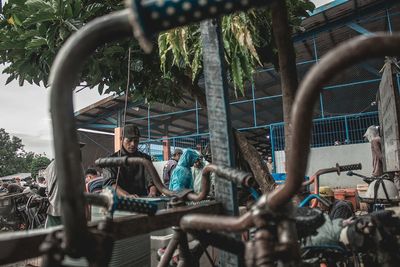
81 144
131 131
177 151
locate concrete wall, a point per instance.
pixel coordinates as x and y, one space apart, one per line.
326 157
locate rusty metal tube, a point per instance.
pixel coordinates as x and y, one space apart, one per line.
125 161
216 223
338 59
63 79
230 174
227 173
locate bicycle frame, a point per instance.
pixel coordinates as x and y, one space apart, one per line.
276 238
315 180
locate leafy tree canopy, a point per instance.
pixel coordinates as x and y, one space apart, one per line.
38 163
14 159
32 31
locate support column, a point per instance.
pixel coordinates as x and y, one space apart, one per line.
166 148
219 121
321 99
118 131
117 138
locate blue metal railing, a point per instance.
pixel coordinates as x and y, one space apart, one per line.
328 131
338 130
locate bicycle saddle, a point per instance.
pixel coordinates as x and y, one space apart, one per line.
308 220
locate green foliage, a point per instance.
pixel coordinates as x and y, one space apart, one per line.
13 157
32 32
247 39
10 149
38 163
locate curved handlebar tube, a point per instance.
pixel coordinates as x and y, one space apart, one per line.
216 223
230 174
338 59
345 55
126 161
63 79
315 178
338 169
150 17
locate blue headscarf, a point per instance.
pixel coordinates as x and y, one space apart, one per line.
181 177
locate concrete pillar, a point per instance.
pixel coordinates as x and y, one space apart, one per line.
166 148
117 138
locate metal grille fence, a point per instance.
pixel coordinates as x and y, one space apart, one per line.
339 130
332 131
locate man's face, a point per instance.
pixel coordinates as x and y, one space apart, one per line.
177 156
269 160
131 144
197 164
89 177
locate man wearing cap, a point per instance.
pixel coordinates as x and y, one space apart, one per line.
132 180
54 209
170 166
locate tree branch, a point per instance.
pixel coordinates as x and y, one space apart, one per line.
257 165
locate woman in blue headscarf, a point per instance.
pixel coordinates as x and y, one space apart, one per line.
181 177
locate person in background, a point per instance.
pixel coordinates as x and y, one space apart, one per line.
130 181
396 180
54 210
170 166
197 171
41 182
181 177
14 188
207 156
18 181
270 165
94 182
199 149
372 135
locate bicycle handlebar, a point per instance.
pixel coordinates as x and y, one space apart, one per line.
338 169
227 173
112 202
367 178
350 167
127 161
345 55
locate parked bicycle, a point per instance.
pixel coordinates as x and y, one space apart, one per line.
381 191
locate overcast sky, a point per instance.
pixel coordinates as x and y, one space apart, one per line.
24 111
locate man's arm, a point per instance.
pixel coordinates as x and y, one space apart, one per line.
121 192
109 175
149 181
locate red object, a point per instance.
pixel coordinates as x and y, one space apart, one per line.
340 194
348 194
351 195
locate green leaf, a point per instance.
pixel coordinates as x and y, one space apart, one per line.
36 42
38 17
10 79
38 5
77 7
